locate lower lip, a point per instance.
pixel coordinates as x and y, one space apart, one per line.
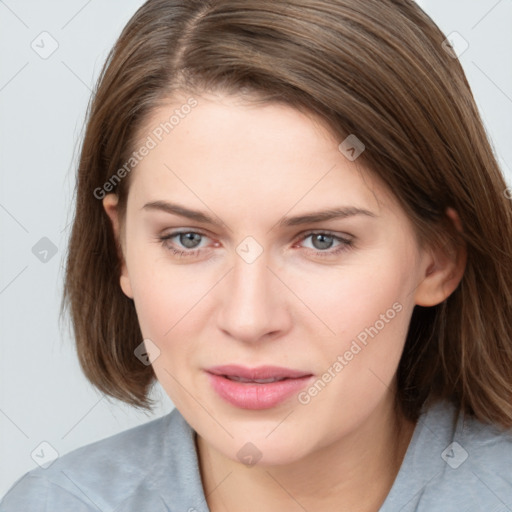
247 395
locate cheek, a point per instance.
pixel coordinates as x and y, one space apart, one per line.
356 365
368 310
352 299
164 291
164 299
165 296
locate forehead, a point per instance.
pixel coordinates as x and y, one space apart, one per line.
225 149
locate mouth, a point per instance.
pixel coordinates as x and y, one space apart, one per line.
257 381
263 387
260 373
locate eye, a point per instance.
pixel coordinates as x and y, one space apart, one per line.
323 241
188 240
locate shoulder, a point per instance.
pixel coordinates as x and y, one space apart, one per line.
454 462
469 440
103 474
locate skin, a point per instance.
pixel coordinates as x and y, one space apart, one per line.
249 166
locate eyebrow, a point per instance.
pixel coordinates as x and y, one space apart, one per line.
306 218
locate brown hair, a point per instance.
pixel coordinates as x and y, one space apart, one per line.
374 68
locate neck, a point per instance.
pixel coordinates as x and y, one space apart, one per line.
354 473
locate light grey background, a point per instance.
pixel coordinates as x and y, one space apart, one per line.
43 394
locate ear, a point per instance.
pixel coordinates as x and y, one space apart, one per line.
110 202
443 270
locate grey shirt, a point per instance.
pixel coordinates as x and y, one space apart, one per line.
451 464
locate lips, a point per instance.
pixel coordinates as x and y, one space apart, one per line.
256 388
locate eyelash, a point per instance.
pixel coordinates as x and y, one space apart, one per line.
346 244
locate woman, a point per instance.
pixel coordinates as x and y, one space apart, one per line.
289 214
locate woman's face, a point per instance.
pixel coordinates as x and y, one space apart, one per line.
292 256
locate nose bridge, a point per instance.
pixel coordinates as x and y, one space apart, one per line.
249 308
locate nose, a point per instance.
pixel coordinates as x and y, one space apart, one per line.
254 303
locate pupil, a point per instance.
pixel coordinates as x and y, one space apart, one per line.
321 238
187 239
